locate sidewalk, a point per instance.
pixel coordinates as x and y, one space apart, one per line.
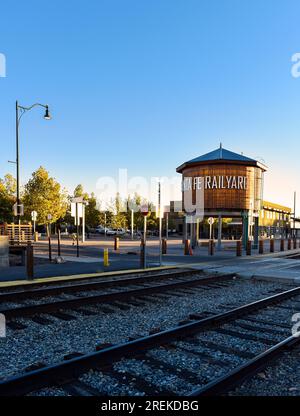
82 259
65 269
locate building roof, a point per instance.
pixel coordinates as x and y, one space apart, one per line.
221 153
218 156
275 207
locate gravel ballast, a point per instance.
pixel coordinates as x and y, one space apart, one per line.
280 379
49 344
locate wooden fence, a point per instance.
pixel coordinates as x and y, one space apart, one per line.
18 234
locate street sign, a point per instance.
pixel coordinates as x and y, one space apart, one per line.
211 220
77 200
18 210
79 209
145 209
33 215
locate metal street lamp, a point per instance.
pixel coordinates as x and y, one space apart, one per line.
20 111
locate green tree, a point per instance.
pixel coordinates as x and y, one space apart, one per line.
7 198
44 195
92 214
78 192
10 184
118 218
152 221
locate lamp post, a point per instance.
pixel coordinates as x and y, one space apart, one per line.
20 110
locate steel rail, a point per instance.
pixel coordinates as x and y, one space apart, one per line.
85 286
236 377
90 276
57 374
29 310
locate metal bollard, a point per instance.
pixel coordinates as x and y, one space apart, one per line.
105 257
142 256
116 243
239 248
248 248
294 243
282 244
261 247
211 247
289 244
164 246
187 245
36 236
29 260
272 245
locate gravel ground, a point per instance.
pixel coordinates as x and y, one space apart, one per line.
50 391
280 379
109 385
50 343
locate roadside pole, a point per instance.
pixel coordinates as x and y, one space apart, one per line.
160 223
49 217
132 223
211 220
76 214
294 222
58 241
34 218
145 211
167 225
83 222
77 229
49 243
145 238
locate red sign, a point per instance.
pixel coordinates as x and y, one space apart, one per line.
144 210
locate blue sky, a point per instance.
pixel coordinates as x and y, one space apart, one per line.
146 85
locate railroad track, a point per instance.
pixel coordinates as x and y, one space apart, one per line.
93 277
207 355
30 303
56 288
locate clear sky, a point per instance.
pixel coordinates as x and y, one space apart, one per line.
147 85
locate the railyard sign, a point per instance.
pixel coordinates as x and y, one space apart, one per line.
214 182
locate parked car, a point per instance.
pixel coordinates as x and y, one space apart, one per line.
116 231
100 230
111 231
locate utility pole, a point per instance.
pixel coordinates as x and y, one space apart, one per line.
167 225
294 224
49 218
144 211
58 241
17 162
160 222
83 223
